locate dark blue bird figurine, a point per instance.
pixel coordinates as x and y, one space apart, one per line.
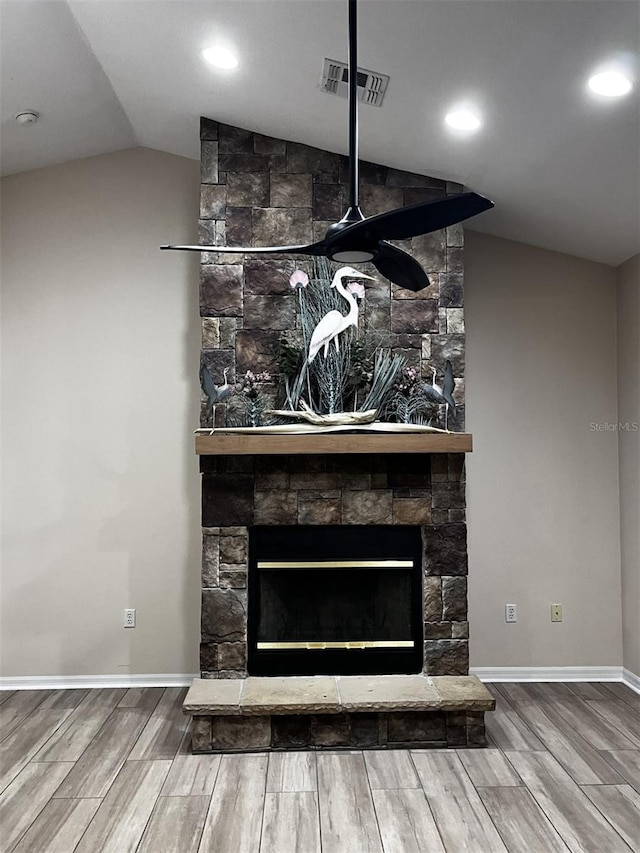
437 394
215 393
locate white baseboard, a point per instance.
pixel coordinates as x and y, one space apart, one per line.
548 673
558 673
631 680
484 673
66 682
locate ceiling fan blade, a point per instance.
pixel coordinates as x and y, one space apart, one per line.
405 222
311 249
400 268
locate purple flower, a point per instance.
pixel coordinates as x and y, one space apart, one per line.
299 279
251 382
408 382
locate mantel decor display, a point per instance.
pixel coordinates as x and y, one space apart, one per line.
332 370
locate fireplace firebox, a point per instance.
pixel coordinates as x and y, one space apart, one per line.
334 600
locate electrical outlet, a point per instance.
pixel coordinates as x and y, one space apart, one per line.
556 613
510 613
130 617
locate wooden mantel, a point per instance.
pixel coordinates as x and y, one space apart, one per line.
233 444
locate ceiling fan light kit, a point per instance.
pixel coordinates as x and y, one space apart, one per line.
358 239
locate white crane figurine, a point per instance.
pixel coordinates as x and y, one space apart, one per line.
334 322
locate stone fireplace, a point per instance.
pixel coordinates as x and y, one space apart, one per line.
327 500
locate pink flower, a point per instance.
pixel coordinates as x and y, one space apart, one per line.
299 279
356 288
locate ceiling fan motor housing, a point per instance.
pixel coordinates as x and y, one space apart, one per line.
348 251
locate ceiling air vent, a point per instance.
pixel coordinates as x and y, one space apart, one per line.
371 85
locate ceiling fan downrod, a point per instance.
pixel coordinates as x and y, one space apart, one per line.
353 213
354 177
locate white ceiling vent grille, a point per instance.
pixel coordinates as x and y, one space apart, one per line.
371 85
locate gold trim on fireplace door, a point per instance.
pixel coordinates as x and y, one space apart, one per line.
352 644
335 564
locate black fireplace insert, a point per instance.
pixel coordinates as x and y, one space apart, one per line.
340 600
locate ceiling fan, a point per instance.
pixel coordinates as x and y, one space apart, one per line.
359 239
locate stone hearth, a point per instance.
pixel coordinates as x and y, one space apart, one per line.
345 712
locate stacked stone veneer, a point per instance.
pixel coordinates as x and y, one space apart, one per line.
416 489
405 730
259 191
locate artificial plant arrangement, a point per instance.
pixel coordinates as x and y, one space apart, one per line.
331 370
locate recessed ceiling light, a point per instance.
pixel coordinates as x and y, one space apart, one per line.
611 84
462 119
221 57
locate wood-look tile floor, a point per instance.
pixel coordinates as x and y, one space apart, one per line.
110 770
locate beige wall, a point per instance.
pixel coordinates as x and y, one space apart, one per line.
629 438
100 350
100 487
542 483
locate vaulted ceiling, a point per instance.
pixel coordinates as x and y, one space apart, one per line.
562 165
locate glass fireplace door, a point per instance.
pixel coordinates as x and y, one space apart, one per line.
334 600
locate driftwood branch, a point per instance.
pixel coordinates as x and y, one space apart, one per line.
337 419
